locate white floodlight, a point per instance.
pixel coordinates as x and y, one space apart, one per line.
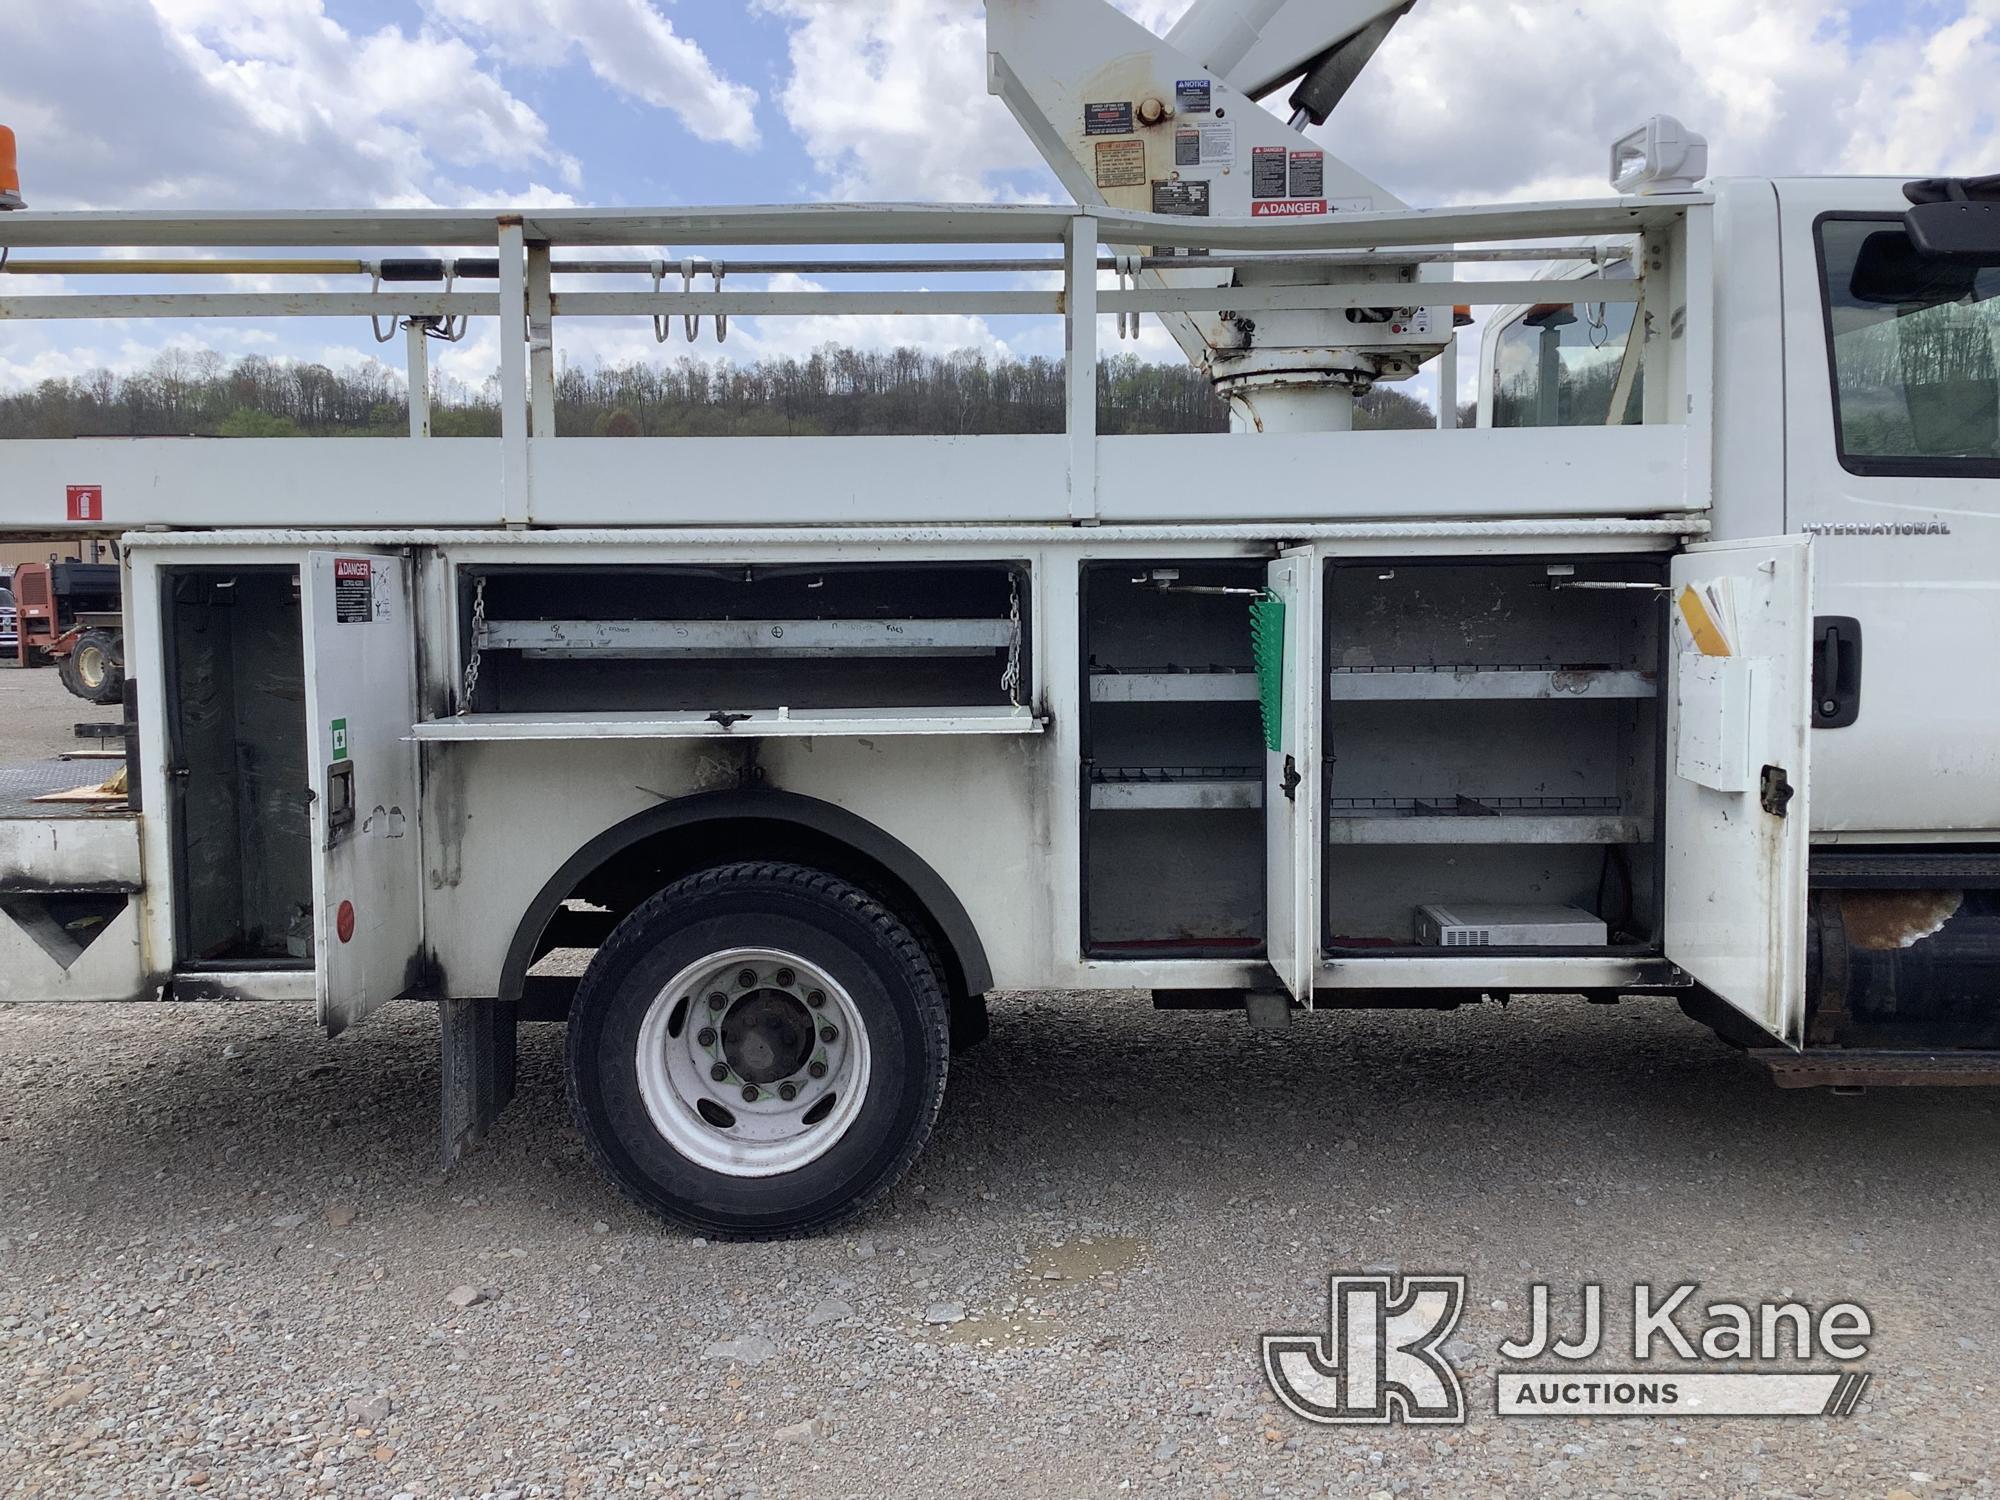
1661 156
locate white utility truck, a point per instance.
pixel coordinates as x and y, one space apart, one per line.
1665 680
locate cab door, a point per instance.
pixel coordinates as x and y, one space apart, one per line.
1892 460
1292 779
361 704
1737 824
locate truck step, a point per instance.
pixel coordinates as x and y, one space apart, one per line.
1835 1067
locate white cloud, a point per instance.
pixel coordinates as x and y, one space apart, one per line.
1468 100
629 44
216 104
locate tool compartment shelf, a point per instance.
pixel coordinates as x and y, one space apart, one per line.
1491 735
1173 765
675 651
1554 684
765 724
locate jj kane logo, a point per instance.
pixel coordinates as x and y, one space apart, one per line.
1382 1357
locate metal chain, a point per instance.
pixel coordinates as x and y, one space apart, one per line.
478 633
1010 680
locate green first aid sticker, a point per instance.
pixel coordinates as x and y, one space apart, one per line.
340 739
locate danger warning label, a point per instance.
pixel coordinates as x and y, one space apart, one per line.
1289 208
1269 172
353 590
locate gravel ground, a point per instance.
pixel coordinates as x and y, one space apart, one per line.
38 717
228 1264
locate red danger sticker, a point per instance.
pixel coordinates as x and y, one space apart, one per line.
85 502
1297 208
352 567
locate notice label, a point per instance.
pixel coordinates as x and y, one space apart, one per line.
1121 164
353 590
1218 145
1187 200
85 502
1308 175
1111 118
1269 173
1195 96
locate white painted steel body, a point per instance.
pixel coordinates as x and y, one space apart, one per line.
990 801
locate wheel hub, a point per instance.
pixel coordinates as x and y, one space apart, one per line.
753 1062
766 1036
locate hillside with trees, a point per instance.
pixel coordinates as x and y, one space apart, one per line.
833 392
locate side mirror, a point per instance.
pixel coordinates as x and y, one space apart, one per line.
1962 231
1889 271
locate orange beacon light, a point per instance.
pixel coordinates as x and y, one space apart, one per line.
10 172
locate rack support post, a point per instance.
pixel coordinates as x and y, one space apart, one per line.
1080 368
515 507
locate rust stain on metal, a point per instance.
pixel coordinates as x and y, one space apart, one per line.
1886 921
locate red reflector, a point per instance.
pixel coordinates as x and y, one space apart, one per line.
343 922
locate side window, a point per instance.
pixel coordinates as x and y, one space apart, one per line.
1557 366
1915 349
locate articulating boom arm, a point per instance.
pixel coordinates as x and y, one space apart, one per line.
1259 46
1170 125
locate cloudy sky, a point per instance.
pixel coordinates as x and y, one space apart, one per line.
407 103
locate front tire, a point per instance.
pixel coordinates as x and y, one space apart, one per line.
94 669
759 1050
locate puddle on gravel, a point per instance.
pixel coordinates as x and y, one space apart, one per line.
1002 1331
1053 1268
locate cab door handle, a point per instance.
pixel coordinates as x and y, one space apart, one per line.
1836 671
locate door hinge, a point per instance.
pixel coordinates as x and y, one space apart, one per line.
1774 791
1289 782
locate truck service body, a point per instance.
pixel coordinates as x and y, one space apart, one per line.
814 742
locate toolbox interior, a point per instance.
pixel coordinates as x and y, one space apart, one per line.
1492 736
235 713
1173 762
650 639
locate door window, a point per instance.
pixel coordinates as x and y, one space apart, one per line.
1915 353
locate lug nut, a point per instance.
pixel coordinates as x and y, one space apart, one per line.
746 977
817 1069
788 1092
785 978
717 1001
828 1034
719 1072
815 998
706 1036
749 1093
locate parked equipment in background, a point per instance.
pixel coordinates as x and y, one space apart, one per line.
70 613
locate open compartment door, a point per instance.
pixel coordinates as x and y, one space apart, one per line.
1287 636
1738 731
361 702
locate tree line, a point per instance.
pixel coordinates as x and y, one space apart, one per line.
834 391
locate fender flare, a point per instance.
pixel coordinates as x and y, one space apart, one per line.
936 897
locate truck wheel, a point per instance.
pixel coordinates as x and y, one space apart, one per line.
757 1051
94 670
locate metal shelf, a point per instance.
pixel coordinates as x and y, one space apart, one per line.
1215 685
598 639
1494 820
769 723
1182 788
1474 682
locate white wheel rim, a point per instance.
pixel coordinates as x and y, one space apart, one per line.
789 1047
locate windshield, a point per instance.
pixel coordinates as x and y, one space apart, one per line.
1916 354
